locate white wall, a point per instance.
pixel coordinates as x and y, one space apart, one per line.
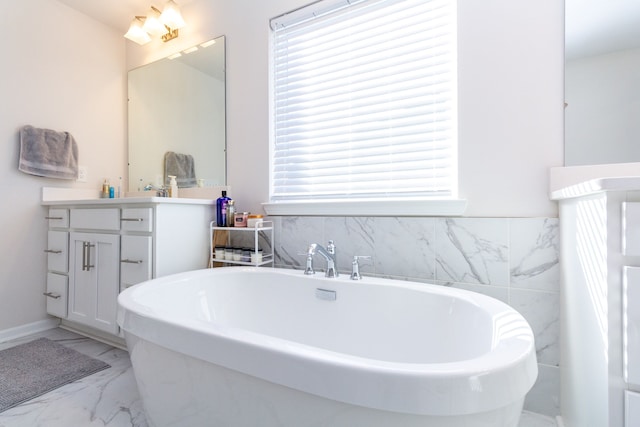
68 77
511 59
603 93
73 77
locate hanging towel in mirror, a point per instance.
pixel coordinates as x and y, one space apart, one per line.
182 167
48 153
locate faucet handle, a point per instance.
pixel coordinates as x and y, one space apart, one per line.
308 270
355 267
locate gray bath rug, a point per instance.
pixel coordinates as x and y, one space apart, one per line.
32 369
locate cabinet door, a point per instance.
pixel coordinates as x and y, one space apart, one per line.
632 409
135 260
93 280
631 304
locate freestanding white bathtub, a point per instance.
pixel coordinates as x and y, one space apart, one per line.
255 347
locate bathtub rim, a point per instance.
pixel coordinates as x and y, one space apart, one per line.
479 384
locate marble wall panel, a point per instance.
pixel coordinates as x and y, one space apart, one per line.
535 253
472 250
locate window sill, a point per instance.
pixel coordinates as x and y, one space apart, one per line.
382 207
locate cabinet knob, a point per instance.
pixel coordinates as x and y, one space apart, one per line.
132 219
53 251
131 261
54 217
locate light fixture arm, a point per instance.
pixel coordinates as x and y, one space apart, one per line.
170 35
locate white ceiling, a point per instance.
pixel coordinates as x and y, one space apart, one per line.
594 27
117 14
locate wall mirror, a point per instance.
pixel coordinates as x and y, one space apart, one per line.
177 104
602 88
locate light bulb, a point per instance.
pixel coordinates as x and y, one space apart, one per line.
152 24
136 33
171 16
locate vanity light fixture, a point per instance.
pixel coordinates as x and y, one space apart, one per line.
165 24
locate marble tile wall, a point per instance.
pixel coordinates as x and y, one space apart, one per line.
515 260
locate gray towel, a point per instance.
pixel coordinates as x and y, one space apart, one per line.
48 153
182 167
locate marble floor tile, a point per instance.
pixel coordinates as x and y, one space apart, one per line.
110 397
531 419
107 398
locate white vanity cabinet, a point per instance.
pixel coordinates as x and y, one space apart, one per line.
102 246
600 311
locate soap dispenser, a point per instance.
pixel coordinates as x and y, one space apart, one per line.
173 186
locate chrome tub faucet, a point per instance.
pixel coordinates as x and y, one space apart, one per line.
328 254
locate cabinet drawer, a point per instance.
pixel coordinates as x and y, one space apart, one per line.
135 260
95 219
137 219
58 218
57 251
56 294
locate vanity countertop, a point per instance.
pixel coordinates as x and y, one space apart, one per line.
597 185
578 181
129 201
83 197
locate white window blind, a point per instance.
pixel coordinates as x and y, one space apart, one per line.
364 100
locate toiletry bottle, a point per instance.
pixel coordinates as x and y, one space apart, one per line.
221 209
105 189
231 213
173 186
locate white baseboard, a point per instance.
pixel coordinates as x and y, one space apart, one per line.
104 337
28 329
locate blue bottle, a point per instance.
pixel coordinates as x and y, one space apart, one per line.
221 209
